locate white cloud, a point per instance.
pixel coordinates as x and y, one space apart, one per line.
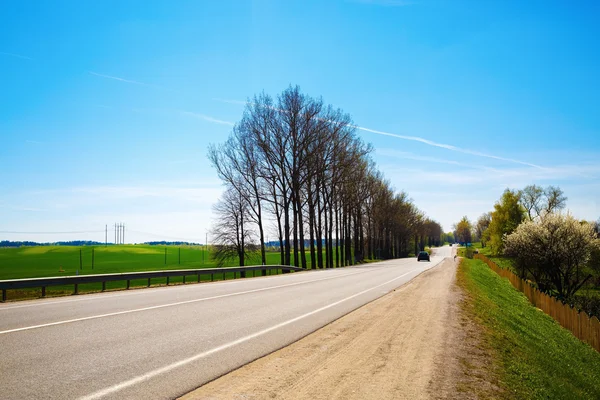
449 194
175 209
30 209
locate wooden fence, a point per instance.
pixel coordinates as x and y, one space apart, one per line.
578 322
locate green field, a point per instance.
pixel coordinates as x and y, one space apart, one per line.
48 261
535 358
44 261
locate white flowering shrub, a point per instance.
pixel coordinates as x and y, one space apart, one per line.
553 252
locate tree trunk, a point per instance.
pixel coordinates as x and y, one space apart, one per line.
263 252
320 236
329 242
295 233
348 241
286 209
242 240
301 229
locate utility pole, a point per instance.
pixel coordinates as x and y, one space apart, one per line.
105 235
205 248
123 238
115 233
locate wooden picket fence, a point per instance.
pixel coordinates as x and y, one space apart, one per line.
578 322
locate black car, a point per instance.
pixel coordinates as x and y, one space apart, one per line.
423 255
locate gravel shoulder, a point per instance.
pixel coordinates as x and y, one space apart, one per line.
412 343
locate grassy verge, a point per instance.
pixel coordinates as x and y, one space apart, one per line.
44 261
535 358
504 262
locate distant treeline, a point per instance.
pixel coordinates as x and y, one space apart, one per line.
8 243
163 243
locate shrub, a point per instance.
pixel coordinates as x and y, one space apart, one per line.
553 252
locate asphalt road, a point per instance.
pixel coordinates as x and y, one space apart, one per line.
161 343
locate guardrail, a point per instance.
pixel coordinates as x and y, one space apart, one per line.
129 276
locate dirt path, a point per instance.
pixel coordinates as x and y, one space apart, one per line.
409 344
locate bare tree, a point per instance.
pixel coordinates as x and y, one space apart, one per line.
539 202
302 162
231 236
531 199
555 199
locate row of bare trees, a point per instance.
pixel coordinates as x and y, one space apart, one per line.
295 166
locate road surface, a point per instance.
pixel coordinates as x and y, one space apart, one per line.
164 342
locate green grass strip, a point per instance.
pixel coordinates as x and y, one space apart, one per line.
536 358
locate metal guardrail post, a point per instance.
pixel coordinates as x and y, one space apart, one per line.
43 291
3 295
128 282
76 289
103 286
148 282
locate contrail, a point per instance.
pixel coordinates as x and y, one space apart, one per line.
230 101
207 118
120 79
16 55
421 140
446 146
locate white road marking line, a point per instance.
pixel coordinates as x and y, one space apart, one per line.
174 304
120 386
102 296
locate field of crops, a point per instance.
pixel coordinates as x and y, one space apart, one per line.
44 261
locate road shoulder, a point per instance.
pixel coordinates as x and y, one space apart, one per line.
412 343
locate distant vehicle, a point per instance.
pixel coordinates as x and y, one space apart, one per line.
423 255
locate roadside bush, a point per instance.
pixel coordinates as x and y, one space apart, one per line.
469 251
553 252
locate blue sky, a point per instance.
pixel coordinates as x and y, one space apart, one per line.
107 108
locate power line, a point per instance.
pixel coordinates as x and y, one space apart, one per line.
119 232
49 233
160 235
